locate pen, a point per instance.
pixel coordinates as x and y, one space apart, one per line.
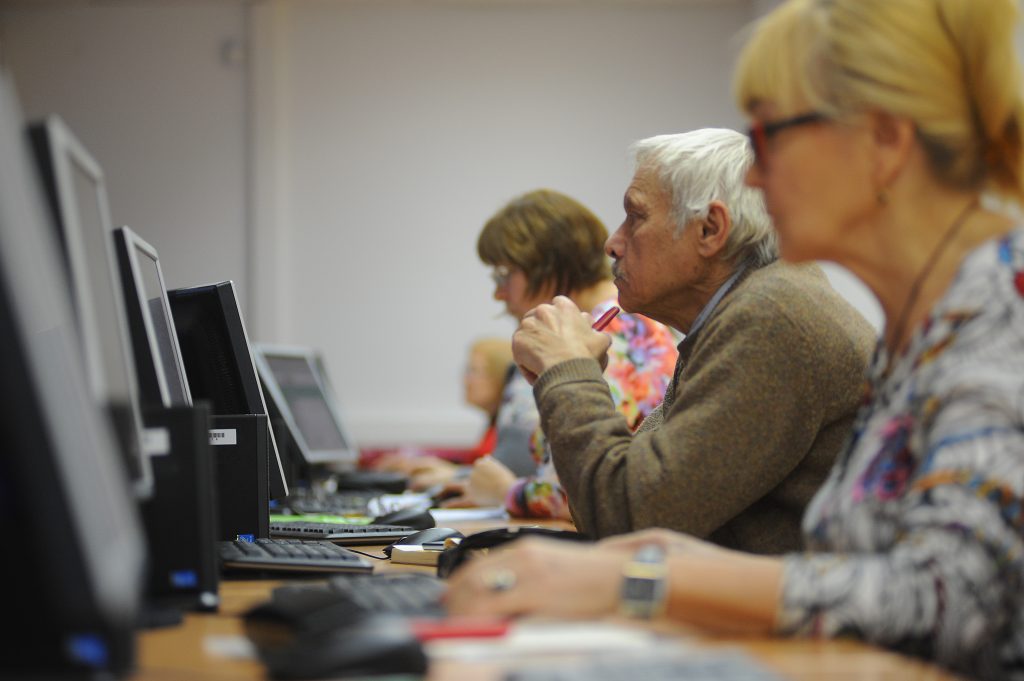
605 319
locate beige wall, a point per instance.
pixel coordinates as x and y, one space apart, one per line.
340 168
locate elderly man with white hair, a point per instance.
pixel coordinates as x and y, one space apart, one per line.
769 376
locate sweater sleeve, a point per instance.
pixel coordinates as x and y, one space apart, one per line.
748 408
948 582
641 360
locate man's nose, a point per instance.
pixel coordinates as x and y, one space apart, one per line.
613 246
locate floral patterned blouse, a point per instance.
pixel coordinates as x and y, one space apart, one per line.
641 360
916 537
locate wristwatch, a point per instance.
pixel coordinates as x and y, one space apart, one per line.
643 583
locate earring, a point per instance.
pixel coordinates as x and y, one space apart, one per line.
883 197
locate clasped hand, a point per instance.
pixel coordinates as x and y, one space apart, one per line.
554 333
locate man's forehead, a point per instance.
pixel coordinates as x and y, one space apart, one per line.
646 186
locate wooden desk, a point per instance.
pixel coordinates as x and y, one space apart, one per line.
183 653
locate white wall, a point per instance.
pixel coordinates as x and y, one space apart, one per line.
147 88
409 123
351 165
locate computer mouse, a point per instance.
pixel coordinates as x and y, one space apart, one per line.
375 645
453 557
315 633
416 517
433 534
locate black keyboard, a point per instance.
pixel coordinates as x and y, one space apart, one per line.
340 533
290 555
404 593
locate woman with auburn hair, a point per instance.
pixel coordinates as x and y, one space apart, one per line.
542 244
884 132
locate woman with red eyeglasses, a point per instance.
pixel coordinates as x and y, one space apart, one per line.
888 138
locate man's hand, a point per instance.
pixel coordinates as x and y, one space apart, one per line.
550 334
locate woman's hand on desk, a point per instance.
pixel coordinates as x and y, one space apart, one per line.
723 590
540 577
488 484
431 472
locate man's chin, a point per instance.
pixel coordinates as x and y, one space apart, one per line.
626 307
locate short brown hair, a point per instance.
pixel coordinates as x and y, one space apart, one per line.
553 238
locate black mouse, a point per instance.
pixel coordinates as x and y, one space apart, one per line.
377 644
433 534
315 633
416 517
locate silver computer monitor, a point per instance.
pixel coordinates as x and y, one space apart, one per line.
78 196
67 506
293 380
162 377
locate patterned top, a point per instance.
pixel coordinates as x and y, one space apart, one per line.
641 360
917 533
515 423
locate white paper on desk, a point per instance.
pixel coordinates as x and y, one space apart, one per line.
389 503
414 554
234 647
442 516
548 638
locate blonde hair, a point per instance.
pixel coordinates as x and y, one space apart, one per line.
497 354
948 65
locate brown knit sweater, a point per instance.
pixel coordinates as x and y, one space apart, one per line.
763 399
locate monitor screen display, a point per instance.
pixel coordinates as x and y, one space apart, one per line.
79 205
305 399
298 392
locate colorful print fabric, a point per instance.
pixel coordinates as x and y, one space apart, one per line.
916 537
641 360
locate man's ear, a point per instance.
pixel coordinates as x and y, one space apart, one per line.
714 230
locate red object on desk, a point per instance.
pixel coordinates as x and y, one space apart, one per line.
460 627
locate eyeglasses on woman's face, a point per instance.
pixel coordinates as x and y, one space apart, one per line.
760 133
500 275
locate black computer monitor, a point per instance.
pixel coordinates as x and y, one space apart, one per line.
78 201
74 552
294 383
162 378
218 359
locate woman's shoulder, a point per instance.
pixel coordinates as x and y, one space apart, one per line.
974 339
989 285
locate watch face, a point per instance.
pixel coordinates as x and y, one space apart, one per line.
637 589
